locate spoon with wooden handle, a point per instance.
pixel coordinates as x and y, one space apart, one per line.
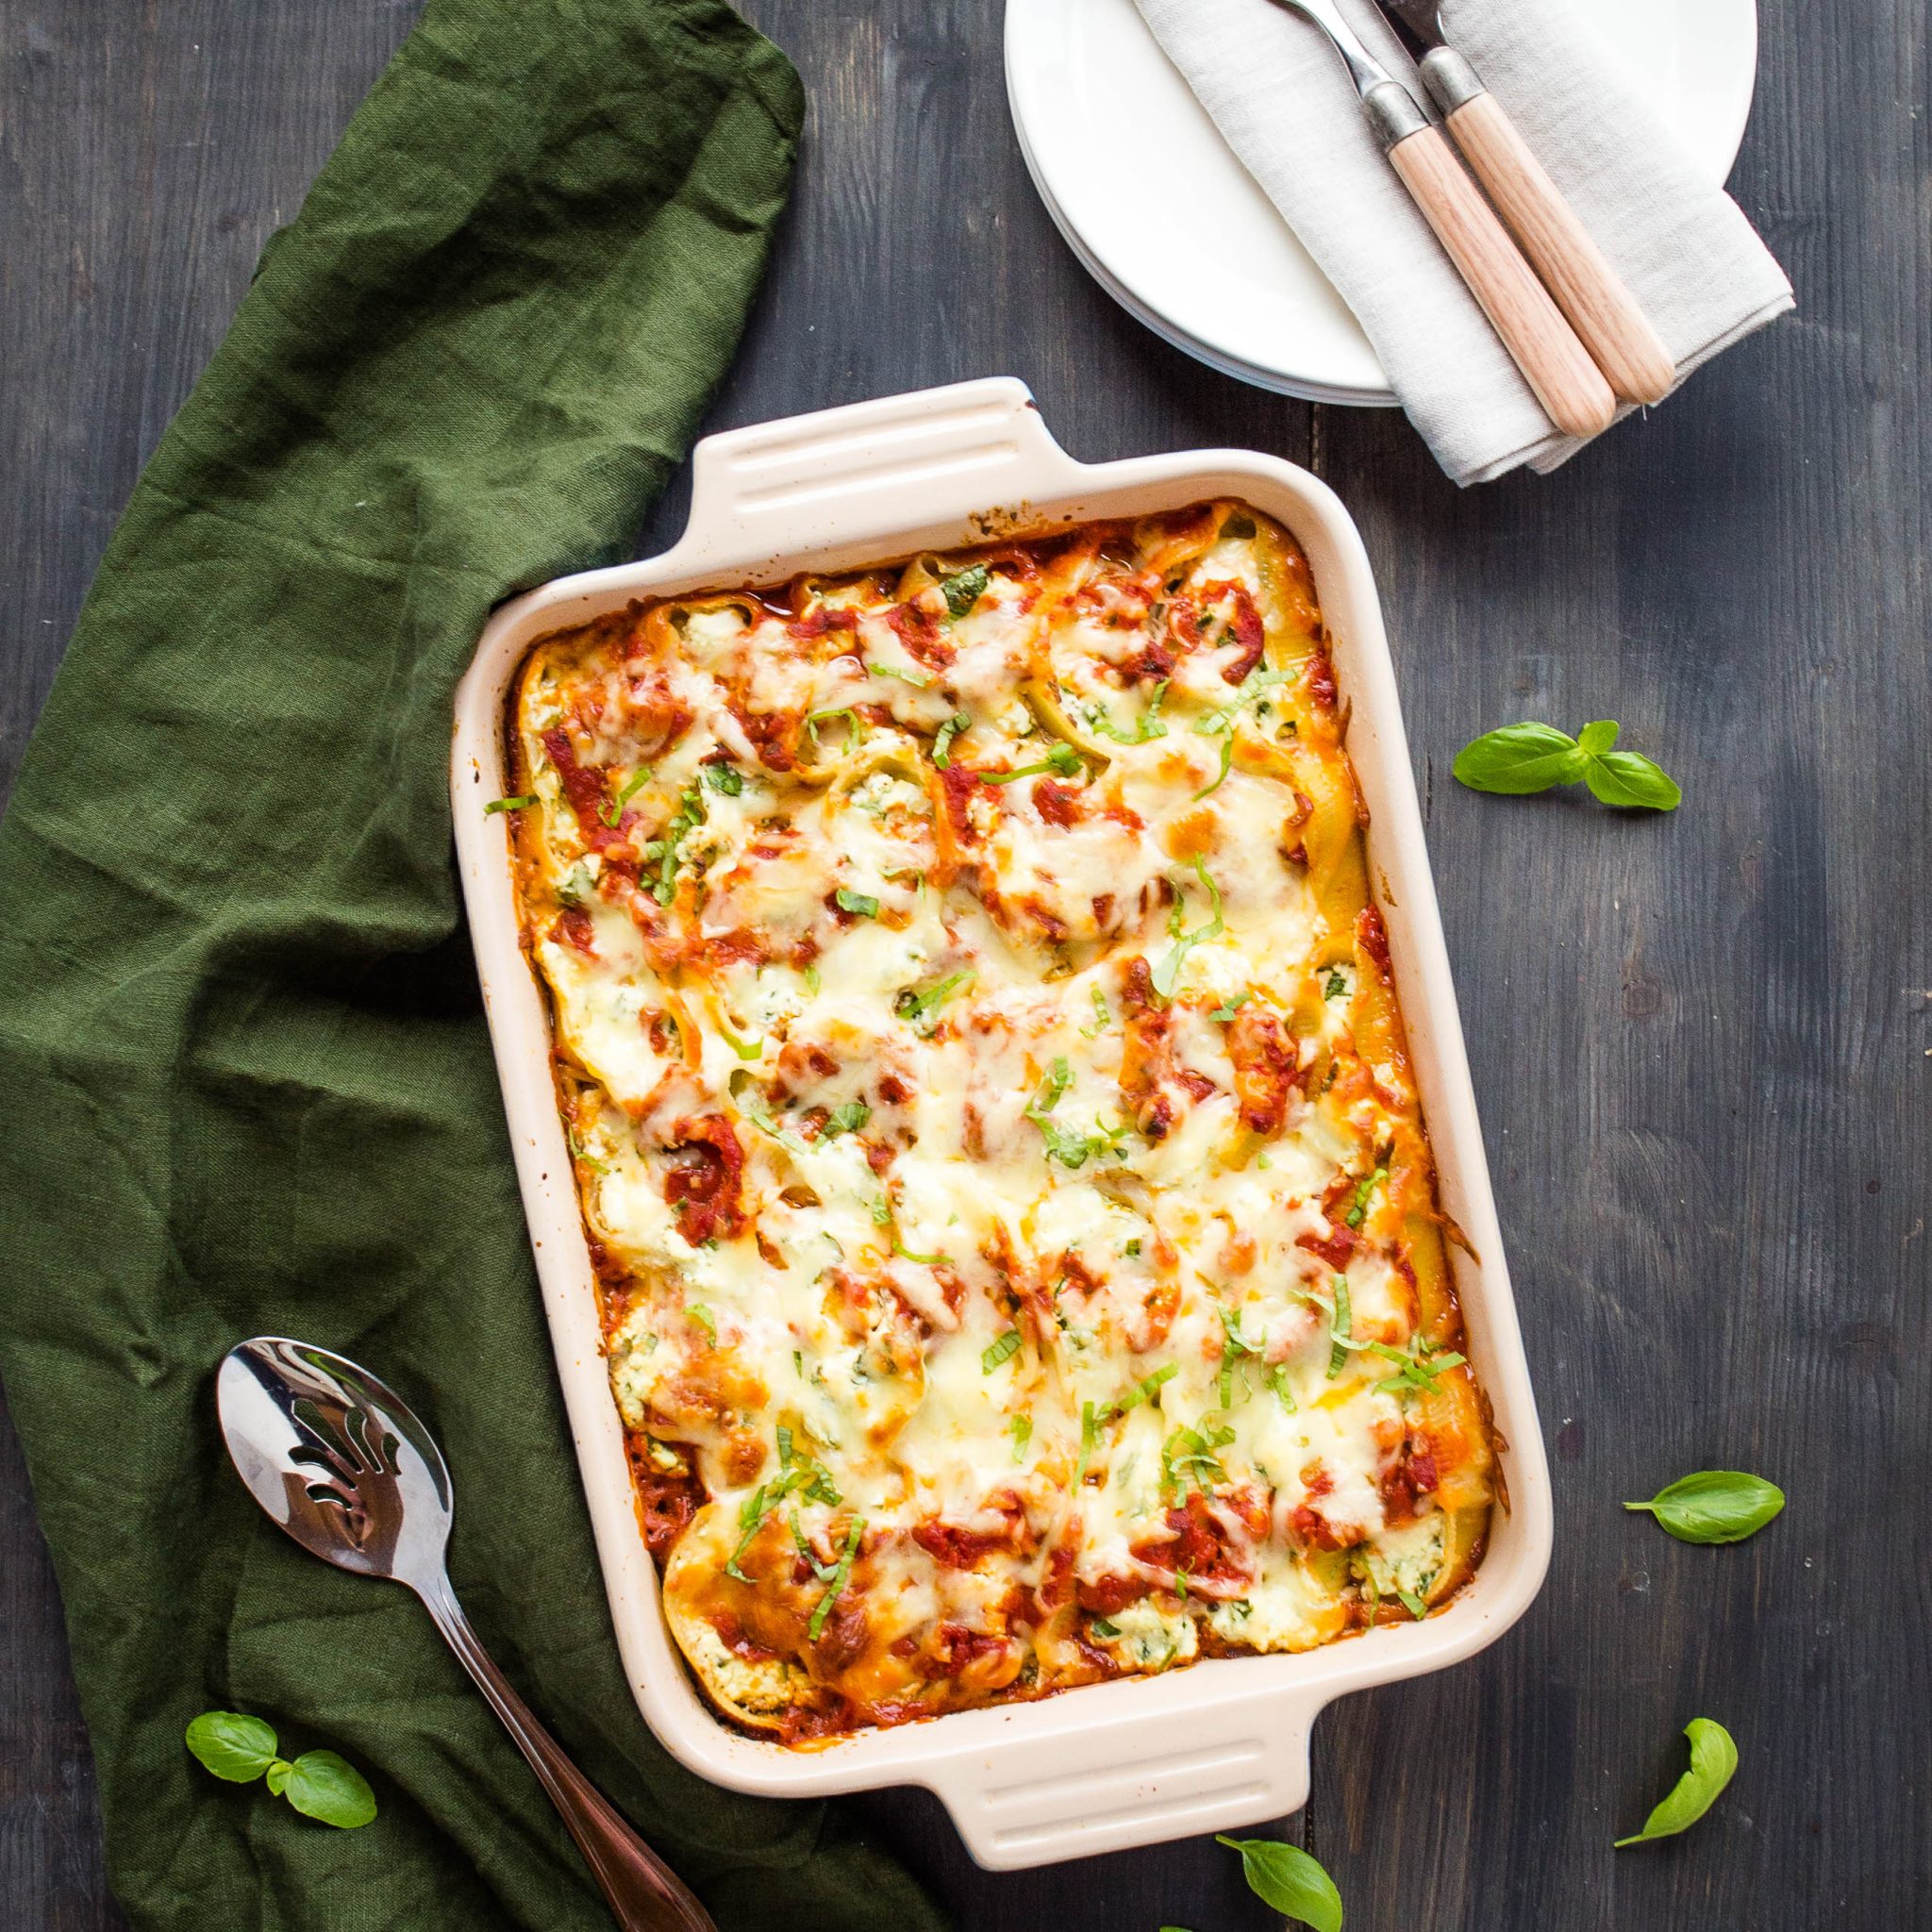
1544 347
1587 290
339 1461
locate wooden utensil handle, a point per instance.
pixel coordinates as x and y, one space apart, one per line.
1553 363
1587 290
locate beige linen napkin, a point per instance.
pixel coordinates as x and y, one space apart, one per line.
1284 103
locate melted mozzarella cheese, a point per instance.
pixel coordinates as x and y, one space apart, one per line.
916 1116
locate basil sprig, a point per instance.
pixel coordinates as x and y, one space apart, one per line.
1532 758
1715 1505
1286 1878
1714 1758
319 1784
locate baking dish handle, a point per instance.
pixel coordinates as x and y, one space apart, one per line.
1135 1779
905 454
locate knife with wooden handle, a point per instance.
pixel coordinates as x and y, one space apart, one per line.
1589 291
1553 360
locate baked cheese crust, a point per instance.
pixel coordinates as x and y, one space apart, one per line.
1015 1223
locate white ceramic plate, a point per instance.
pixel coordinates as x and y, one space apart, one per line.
1150 197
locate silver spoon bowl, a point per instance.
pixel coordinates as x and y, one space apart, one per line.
341 1463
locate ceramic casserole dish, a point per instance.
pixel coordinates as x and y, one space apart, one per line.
1225 1742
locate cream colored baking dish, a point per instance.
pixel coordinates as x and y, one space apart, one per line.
1225 1742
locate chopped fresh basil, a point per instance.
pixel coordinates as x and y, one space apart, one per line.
1149 727
1062 759
522 803
1341 1328
862 904
1102 1017
918 679
855 728
814 983
941 744
1132 1250
1106 1631
881 1213
1337 984
1228 1008
919 1005
847 1119
1416 1366
838 1578
1020 1427
725 778
613 812
705 1319
1277 1383
1001 1350
1359 1207
1187 1458
1220 778
745 1049
906 1254
1167 974
964 589
1412 1604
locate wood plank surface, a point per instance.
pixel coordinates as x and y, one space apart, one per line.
1702 1044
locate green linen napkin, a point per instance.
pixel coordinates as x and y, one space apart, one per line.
248 1086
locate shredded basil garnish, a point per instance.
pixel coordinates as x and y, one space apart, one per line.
1003 1348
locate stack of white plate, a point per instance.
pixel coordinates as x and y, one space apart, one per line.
1173 228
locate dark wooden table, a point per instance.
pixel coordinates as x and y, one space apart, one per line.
1701 1044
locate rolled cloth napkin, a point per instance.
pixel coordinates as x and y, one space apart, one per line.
1284 105
248 1082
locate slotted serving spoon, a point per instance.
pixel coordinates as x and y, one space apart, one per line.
341 1462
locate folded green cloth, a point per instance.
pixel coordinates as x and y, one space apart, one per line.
247 1081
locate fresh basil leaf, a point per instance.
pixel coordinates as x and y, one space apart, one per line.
520 804
1412 1604
917 679
1713 1760
725 778
1286 1878
964 589
847 1119
1597 737
1628 779
1715 1505
322 1785
1520 758
278 1779
232 1745
861 904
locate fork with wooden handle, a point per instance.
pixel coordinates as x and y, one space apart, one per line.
1589 291
1545 348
